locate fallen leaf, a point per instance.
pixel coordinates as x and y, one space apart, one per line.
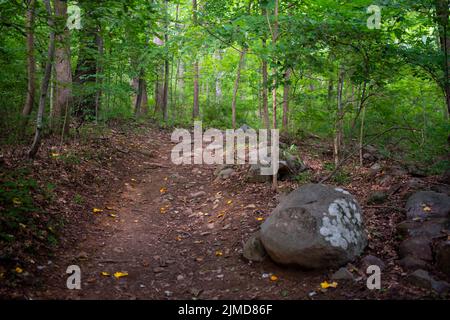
105 274
219 253
163 190
96 210
19 270
118 275
260 219
273 278
16 201
326 285
426 209
229 201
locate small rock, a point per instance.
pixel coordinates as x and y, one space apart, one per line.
198 194
410 263
254 250
421 278
370 260
377 197
418 247
180 277
342 274
158 270
423 228
428 204
443 257
374 169
226 173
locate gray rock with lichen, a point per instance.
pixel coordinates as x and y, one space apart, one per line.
316 226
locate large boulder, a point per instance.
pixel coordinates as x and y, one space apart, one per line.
428 204
316 226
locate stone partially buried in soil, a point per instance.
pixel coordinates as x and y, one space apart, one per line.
416 247
428 204
443 257
423 228
422 279
316 226
253 249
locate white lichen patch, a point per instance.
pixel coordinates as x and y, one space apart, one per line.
341 190
341 225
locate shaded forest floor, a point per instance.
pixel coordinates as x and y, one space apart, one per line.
121 205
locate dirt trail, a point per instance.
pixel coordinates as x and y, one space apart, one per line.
178 233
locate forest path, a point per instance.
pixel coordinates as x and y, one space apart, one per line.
177 233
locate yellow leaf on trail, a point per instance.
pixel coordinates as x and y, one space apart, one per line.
229 201
260 218
17 201
105 274
162 210
19 270
165 179
112 215
97 210
220 215
55 155
426 209
178 238
163 190
219 253
118 275
326 285
109 208
273 278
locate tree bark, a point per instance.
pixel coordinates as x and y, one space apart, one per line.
236 85
196 108
339 120
45 83
63 71
442 16
31 60
286 89
274 90
265 94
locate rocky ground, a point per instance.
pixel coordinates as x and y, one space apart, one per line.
148 229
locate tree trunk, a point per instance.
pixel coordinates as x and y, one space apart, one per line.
140 93
31 60
196 108
442 15
265 77
98 76
274 90
86 70
286 88
339 120
45 83
236 86
63 71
